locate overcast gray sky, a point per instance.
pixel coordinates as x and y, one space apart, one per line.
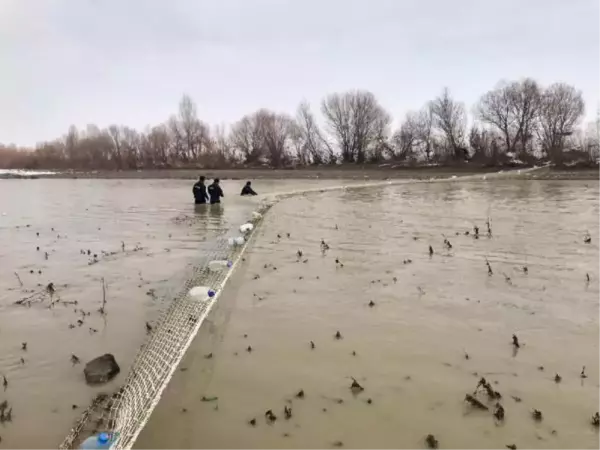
77 62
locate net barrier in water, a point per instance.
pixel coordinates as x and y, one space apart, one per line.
126 412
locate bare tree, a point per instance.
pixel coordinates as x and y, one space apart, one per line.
117 151
484 145
157 143
222 148
357 123
193 132
414 140
450 117
406 137
276 136
513 109
246 138
562 108
71 140
314 142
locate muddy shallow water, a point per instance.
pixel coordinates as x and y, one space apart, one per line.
163 236
409 350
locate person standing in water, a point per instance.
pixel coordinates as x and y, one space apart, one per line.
247 189
215 192
199 190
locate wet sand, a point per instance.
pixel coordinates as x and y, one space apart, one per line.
163 236
408 350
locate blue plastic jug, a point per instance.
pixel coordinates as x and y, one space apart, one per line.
101 440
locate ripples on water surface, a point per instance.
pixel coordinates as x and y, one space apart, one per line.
70 216
410 347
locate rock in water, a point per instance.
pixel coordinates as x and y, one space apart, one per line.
101 369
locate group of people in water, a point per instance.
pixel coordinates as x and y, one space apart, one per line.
213 193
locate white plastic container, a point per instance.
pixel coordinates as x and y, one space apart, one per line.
236 241
201 292
246 228
99 441
219 264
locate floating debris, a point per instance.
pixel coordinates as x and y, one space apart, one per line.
596 420
489 227
447 244
249 349
583 374
587 238
312 345
476 231
300 394
252 422
430 255
371 304
270 416
537 415
287 412
148 327
516 398
24 346
491 393
541 368
209 399
499 412
475 403
355 387
489 267
431 441
75 359
338 335
557 378
209 356
4 382
5 412
299 254
525 270
515 341
511 446
338 444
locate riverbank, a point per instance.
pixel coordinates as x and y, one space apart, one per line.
353 172
416 331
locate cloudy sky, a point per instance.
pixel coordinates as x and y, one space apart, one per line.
77 62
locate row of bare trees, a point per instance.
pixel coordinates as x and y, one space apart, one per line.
518 120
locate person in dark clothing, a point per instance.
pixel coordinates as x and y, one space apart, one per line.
247 189
199 190
215 192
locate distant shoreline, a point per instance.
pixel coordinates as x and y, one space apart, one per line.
324 172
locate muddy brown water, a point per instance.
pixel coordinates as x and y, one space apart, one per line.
408 350
164 235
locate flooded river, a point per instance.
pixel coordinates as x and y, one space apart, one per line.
416 331
140 236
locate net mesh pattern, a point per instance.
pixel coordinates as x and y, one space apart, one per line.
126 411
